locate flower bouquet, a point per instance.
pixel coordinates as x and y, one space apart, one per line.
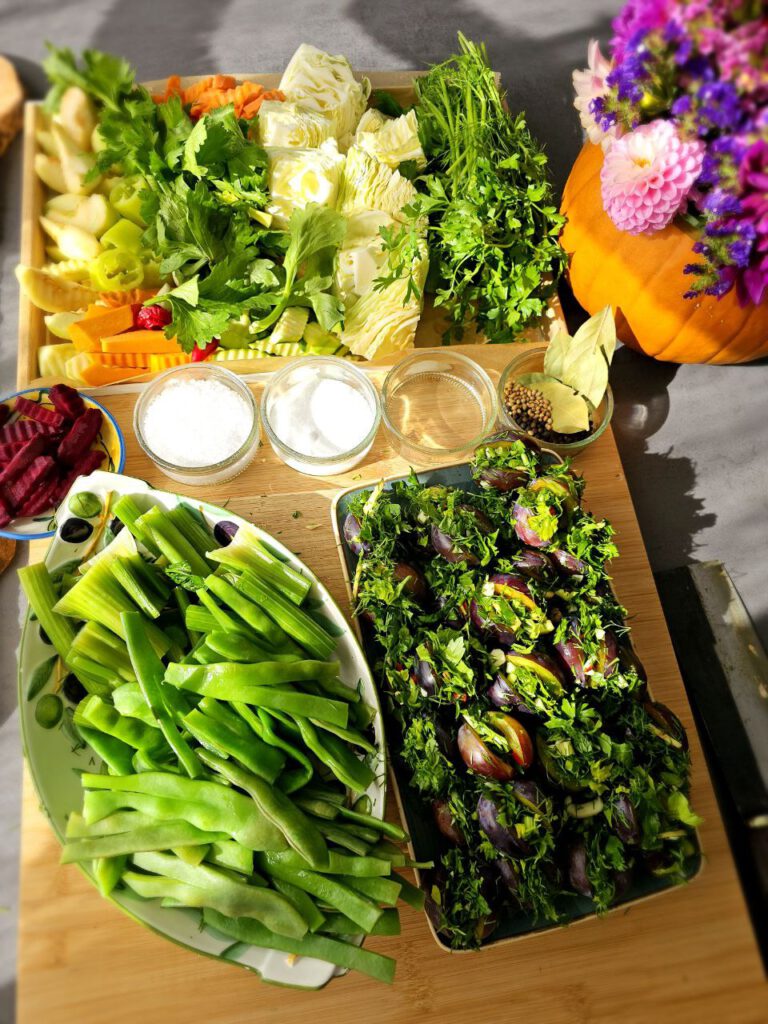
668 202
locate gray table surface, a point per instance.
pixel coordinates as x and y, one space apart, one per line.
693 439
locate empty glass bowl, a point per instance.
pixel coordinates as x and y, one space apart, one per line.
437 406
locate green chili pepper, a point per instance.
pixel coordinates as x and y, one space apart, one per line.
296 827
343 954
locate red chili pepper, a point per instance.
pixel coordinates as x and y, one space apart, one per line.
199 355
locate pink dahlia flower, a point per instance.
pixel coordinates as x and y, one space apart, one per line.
589 85
647 175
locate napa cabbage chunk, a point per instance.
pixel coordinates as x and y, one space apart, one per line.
291 124
383 321
362 256
367 184
326 84
392 140
299 176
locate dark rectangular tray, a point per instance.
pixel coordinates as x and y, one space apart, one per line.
423 833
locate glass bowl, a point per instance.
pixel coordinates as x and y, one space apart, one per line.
531 360
211 473
438 406
312 412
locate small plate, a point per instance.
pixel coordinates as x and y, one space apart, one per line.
56 755
110 440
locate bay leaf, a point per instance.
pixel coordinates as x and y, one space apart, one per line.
570 413
589 354
557 350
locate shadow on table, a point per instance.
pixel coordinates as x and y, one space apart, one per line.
662 484
534 58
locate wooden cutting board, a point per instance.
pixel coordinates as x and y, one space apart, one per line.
687 955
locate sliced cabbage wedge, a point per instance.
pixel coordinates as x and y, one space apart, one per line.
361 258
367 184
379 323
371 121
326 84
300 176
291 124
393 140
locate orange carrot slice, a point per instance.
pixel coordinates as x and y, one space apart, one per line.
86 334
141 341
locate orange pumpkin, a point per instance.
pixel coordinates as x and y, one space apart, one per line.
641 276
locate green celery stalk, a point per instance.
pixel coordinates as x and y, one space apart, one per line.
300 626
197 619
247 555
191 528
128 512
37 584
171 541
247 610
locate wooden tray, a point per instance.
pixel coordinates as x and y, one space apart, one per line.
32 330
689 958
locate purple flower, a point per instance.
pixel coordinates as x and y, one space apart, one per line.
740 252
719 107
637 17
720 203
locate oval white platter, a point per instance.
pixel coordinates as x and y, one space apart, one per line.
56 757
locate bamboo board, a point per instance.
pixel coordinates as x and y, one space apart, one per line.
32 330
687 957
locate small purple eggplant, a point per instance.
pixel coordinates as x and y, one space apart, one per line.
351 531
666 724
577 870
526 533
534 564
508 874
625 823
500 632
445 822
425 677
503 695
480 759
504 480
506 840
415 584
444 546
568 564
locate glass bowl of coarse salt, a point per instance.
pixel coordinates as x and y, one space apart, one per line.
321 415
198 423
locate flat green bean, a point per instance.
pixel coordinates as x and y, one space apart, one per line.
339 924
159 836
298 830
347 768
327 889
257 757
338 864
247 610
229 854
303 902
343 954
107 872
228 896
208 805
382 890
113 752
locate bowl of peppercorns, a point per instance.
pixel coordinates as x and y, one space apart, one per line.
528 411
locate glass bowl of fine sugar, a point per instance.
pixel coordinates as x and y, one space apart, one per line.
198 423
321 415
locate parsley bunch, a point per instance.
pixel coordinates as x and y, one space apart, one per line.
493 225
